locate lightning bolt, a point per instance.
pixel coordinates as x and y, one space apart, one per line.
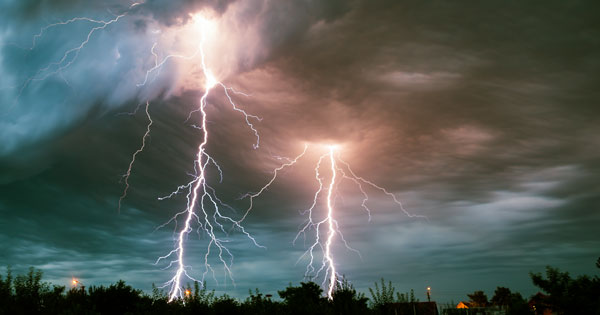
331 228
203 212
327 228
138 151
327 263
203 205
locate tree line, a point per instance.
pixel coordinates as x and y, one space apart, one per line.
28 294
561 294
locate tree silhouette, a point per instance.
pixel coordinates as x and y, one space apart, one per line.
225 305
513 303
28 291
117 298
383 300
478 299
259 304
6 288
501 297
305 299
518 305
200 301
406 297
347 301
382 296
28 294
568 295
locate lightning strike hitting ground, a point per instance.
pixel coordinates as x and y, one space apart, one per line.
331 229
203 206
327 227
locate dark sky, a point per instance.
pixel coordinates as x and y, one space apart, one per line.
482 116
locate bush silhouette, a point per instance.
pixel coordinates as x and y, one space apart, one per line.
27 294
305 299
346 301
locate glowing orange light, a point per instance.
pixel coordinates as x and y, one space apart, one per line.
187 292
74 281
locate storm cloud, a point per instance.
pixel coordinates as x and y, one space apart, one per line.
483 117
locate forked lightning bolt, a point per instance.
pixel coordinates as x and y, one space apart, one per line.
327 263
327 228
203 205
69 57
203 208
331 228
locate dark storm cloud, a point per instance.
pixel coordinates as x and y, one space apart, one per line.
487 113
483 117
37 106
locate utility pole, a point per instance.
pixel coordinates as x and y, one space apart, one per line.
428 294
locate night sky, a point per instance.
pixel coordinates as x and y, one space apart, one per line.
484 117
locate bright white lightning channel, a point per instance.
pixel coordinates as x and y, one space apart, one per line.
327 228
203 205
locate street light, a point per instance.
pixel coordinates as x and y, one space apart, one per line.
76 282
428 294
